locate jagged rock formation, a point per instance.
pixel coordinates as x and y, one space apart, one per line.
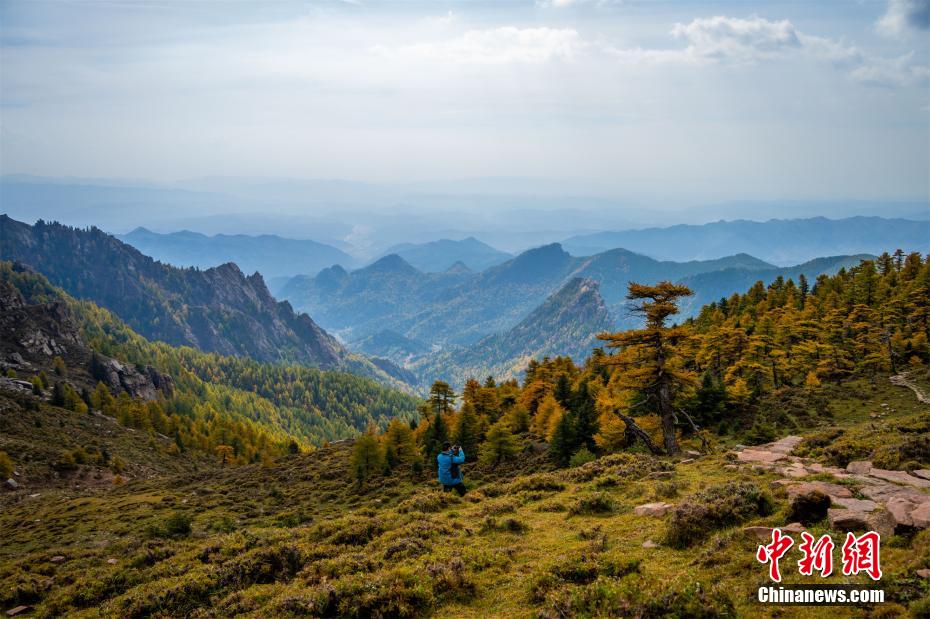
33 333
217 310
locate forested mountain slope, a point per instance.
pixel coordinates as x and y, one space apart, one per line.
460 307
567 323
202 399
217 310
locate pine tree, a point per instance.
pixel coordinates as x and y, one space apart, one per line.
499 446
563 391
399 444
367 456
467 431
434 435
584 412
563 443
651 365
441 398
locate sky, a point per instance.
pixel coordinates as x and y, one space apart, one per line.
647 100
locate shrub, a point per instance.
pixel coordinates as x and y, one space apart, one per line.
262 565
715 508
598 503
760 432
809 508
579 569
178 524
508 525
428 501
6 466
65 462
540 482
582 456
632 598
914 449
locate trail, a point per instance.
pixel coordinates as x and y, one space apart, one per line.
902 380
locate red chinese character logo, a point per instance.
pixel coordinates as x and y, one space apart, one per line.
817 555
861 554
773 552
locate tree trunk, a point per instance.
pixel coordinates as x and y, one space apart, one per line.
633 428
667 413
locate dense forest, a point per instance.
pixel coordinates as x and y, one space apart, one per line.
752 365
258 410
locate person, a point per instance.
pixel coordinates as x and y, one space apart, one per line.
450 473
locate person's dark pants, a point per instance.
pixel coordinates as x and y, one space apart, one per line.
459 487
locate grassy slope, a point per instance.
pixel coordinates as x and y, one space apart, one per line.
266 541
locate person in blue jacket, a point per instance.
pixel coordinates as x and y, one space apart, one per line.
450 473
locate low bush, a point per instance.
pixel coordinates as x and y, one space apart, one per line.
507 525
631 597
598 503
715 508
579 569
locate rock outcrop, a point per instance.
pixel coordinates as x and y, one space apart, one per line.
32 334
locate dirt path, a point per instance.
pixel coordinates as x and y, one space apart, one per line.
902 380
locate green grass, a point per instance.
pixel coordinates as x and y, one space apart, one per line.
298 538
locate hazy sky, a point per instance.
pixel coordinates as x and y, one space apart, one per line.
638 99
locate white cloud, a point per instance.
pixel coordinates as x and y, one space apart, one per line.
561 4
731 40
737 40
495 46
902 16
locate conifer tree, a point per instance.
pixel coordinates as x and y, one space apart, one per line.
584 413
649 364
563 443
434 435
467 431
499 446
399 444
367 456
441 398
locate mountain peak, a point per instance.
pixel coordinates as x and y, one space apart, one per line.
392 263
459 267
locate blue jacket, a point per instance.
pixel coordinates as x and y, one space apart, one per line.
445 460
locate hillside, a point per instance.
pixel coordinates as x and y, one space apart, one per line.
438 256
270 255
780 241
200 399
294 539
567 513
425 320
459 307
567 323
217 310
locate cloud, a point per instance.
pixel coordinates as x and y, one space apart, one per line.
502 45
737 40
561 4
903 16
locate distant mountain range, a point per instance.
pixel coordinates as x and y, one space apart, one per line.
444 254
270 255
780 241
567 323
479 320
215 310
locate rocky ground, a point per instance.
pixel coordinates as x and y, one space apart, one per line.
861 496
